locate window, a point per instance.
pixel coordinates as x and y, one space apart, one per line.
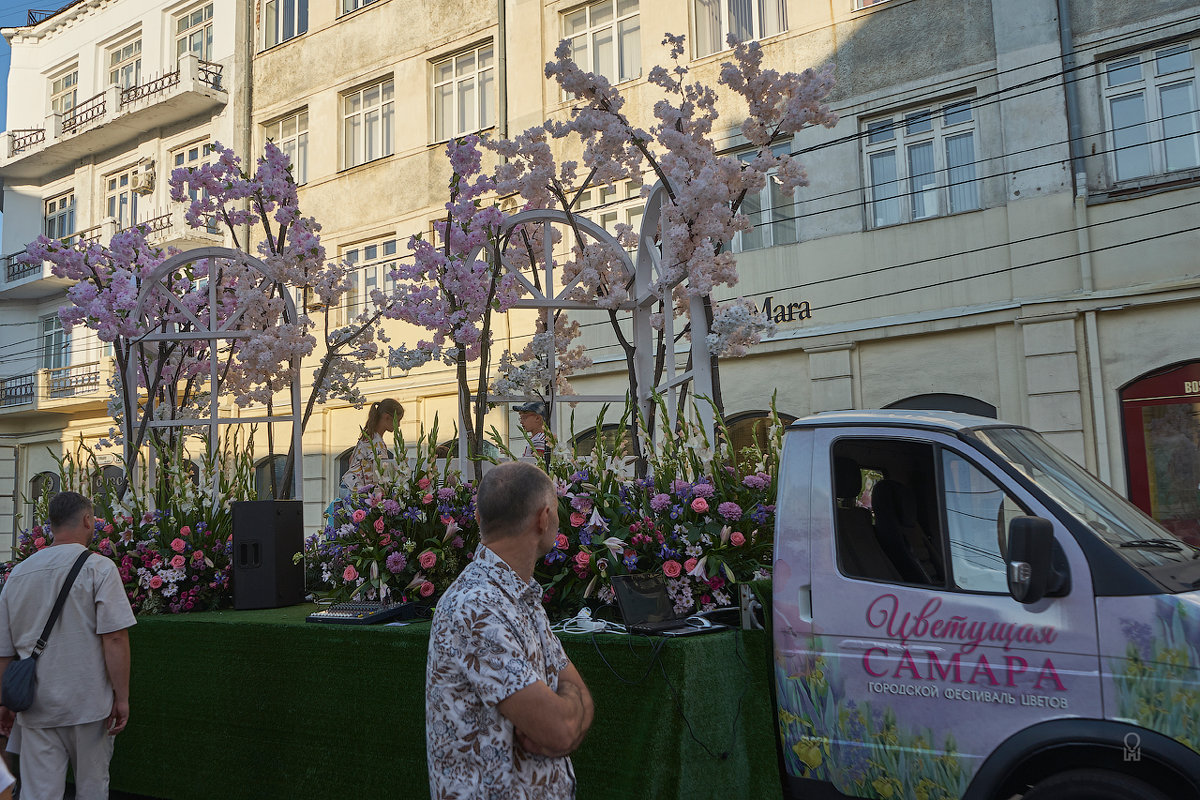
354 5
752 429
977 516
262 478
609 205
64 92
290 135
1150 99
120 201
462 93
772 213
44 485
189 157
367 122
194 33
283 20
867 3
606 38
56 343
125 65
60 216
372 263
921 164
715 20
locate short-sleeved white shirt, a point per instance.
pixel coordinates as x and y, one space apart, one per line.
490 638
72 679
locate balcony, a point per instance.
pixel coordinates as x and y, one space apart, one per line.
64 389
112 118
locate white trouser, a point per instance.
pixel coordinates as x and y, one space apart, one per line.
46 751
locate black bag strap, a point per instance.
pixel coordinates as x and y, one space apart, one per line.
59 603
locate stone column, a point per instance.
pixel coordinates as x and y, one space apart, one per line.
1053 387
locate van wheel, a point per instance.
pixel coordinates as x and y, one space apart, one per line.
1093 784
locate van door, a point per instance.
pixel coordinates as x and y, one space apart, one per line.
922 662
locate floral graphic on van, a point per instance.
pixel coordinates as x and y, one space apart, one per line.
859 747
1158 682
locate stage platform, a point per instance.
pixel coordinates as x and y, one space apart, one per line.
259 704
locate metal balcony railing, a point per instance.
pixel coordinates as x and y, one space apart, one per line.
149 88
84 113
15 267
154 224
22 139
73 381
17 390
210 73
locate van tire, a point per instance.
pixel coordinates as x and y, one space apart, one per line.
1093 784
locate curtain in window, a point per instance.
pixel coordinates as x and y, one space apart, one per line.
773 14
885 188
783 214
741 20
960 168
1130 136
922 186
752 207
631 48
707 36
1179 126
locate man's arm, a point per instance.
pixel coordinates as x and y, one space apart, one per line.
551 723
116 660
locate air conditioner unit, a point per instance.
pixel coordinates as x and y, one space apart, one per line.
143 178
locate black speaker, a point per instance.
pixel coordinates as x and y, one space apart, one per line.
266 535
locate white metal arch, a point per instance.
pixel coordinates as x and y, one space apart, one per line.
649 286
211 330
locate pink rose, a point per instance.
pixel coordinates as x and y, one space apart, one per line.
577 519
156 582
446 518
108 528
427 499
379 526
359 515
385 540
561 542
198 555
39 542
178 545
671 568
105 544
423 484
583 559
427 559
350 574
426 589
185 531
689 565
737 539
177 561
699 505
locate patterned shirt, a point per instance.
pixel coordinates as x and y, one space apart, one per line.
371 463
490 638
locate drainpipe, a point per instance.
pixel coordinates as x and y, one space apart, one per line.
502 70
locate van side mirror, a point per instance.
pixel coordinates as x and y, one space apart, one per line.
1030 553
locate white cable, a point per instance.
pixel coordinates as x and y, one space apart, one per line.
583 623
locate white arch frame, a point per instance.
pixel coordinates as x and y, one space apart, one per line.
211 331
646 273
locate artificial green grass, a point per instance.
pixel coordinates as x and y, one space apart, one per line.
260 704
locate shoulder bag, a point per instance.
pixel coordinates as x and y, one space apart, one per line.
20 679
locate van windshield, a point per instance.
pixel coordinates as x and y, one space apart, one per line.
1137 537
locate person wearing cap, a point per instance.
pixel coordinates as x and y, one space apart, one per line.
533 420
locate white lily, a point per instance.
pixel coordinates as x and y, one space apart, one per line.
615 545
598 521
725 533
699 571
451 529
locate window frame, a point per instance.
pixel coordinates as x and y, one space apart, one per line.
295 145
350 6
275 24
114 189
386 109
204 26
757 25
56 343
1149 87
115 69
368 273
482 81
615 24
904 131
180 158
766 217
72 91
67 211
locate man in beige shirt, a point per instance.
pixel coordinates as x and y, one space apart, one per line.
82 698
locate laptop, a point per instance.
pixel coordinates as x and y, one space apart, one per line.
646 608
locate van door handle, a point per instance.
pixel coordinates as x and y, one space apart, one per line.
805 603
861 644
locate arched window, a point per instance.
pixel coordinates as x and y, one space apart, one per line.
262 478
585 442
751 427
343 463
1160 414
193 471
946 402
43 485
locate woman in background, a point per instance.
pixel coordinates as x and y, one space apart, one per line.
372 461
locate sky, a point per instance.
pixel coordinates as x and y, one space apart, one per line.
11 15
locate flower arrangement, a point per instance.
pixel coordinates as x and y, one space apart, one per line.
704 520
173 551
405 539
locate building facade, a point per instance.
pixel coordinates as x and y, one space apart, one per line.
1000 223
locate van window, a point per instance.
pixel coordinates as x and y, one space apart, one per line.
977 516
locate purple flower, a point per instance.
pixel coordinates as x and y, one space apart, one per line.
730 511
703 489
446 492
756 481
582 503
391 507
682 489
660 502
396 562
